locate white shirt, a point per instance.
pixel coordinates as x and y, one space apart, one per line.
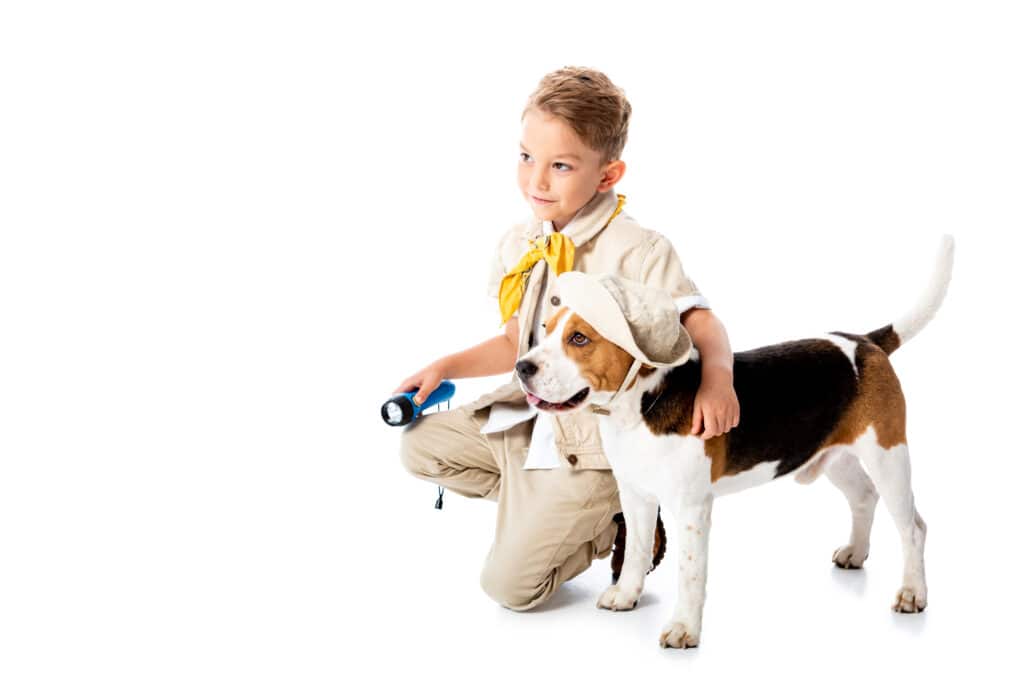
543 455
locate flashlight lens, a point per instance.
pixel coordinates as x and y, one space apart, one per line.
394 413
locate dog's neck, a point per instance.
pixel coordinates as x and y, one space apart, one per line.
625 410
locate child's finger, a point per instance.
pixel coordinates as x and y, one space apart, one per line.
425 390
697 419
711 427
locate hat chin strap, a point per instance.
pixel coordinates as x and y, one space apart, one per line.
600 408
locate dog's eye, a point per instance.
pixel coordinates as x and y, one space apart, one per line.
578 339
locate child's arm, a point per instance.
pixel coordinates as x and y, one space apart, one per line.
492 357
715 407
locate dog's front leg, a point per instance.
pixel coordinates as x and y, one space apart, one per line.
641 513
693 517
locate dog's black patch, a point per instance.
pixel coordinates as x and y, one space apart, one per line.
791 396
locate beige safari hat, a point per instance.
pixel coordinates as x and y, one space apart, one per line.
641 319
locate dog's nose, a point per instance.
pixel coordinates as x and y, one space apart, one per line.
525 368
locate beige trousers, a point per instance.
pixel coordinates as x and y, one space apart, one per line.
551 524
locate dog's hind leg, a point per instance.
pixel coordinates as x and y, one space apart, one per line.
849 477
889 469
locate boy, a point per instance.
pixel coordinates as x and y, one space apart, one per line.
557 498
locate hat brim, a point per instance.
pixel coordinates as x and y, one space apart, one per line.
594 303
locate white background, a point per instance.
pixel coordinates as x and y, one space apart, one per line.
230 229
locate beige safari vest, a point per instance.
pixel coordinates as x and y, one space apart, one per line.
621 247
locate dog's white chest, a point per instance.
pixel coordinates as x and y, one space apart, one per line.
666 465
661 465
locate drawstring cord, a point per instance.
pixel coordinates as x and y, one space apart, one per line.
439 503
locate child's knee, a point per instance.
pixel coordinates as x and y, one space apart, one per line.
512 590
413 455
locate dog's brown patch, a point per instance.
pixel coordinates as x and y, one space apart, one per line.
715 448
602 363
886 338
552 321
879 401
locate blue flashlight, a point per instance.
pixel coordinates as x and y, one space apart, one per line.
401 409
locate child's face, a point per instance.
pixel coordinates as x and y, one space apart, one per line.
555 165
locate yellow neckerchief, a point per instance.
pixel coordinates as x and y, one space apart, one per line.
557 249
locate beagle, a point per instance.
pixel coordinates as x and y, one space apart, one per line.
831 405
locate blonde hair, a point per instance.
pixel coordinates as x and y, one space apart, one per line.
586 99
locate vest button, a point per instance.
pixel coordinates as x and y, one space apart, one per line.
555 301
572 459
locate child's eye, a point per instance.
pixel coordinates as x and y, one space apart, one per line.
567 166
523 156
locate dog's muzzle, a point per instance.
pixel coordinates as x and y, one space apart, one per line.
525 370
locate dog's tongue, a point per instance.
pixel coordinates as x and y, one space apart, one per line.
532 400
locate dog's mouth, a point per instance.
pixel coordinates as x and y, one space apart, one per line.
568 404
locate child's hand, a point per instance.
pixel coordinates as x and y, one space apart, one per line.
716 407
426 380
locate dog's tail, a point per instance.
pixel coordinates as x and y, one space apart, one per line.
896 334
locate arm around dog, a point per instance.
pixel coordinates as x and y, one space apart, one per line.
716 408
492 357
709 336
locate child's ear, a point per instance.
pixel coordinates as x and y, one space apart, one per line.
613 173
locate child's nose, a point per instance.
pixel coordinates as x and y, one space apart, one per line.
540 179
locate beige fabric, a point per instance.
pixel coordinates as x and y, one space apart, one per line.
551 524
623 248
642 320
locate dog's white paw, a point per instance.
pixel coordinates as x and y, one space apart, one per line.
850 557
909 600
678 634
618 598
